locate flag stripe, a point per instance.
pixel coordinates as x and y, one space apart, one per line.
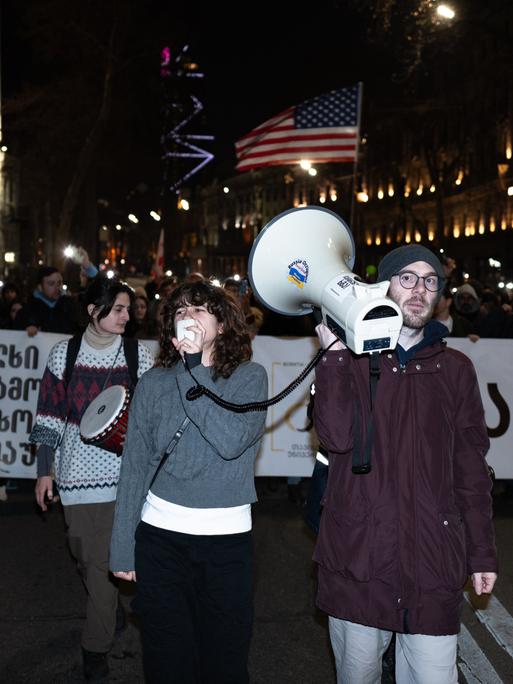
305 150
320 134
321 130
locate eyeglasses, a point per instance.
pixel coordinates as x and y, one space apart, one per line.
409 280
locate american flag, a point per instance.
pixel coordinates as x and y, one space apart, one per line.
323 129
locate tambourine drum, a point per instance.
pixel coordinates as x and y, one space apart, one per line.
105 420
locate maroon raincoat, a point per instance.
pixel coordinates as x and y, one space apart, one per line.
396 546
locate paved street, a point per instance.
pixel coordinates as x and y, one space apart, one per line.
42 607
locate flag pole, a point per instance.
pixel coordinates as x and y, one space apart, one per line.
355 164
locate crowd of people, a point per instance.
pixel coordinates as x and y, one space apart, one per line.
469 309
51 308
407 508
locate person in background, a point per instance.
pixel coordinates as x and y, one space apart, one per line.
14 309
87 475
242 292
486 316
141 325
183 530
450 269
457 325
407 511
194 277
10 294
157 293
48 309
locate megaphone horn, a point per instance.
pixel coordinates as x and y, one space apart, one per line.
303 259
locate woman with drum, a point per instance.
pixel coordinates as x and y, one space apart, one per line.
86 474
183 530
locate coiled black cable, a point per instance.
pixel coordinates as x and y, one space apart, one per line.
196 392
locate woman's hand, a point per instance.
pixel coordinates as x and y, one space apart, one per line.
187 346
326 337
44 490
128 576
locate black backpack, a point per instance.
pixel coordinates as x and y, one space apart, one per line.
130 347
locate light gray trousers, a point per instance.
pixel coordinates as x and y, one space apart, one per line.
419 658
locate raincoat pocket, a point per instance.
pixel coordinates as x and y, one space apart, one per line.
343 546
453 547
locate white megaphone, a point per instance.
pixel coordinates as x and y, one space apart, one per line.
303 259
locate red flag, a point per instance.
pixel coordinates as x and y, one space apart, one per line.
158 265
324 129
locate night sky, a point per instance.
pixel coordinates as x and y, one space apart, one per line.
269 62
257 61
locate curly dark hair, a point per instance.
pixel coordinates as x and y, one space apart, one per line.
232 346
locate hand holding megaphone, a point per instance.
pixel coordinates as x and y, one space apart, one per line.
303 259
327 338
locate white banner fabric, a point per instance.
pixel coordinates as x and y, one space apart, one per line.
287 448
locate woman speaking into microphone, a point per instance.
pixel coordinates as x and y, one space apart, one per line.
182 525
77 370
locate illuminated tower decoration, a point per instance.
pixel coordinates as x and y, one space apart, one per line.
180 107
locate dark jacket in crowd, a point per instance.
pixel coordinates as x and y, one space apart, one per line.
396 546
61 317
460 326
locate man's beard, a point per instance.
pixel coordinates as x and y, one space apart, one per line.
417 320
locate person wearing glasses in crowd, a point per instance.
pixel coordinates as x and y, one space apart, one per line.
396 545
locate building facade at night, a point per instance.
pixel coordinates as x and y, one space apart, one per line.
424 174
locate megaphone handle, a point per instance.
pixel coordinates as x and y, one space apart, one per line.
317 315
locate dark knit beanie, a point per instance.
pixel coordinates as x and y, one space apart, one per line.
399 258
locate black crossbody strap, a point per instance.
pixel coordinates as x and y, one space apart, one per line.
362 462
170 447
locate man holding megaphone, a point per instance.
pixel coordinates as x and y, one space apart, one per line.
407 511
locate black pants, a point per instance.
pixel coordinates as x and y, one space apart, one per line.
195 605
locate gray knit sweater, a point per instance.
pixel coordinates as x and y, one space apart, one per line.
212 465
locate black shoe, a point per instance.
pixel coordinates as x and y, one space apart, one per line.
96 668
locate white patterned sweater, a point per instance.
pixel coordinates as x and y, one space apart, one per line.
84 473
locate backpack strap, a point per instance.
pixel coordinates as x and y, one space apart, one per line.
131 349
71 356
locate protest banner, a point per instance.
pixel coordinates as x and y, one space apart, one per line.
287 448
